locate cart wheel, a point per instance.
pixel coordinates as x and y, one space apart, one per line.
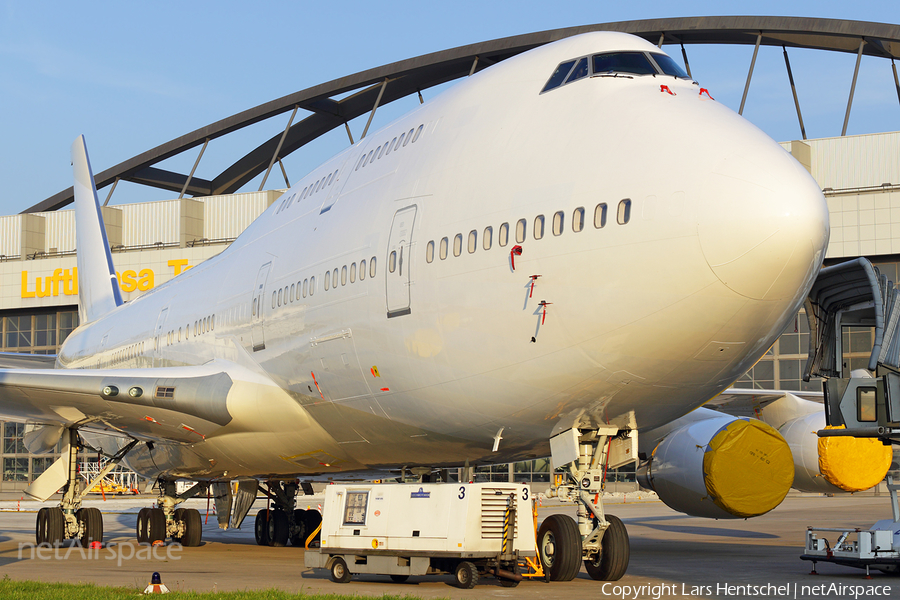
339 571
559 546
399 578
466 575
615 550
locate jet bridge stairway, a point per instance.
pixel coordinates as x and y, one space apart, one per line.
856 294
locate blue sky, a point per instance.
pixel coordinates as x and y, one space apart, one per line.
130 76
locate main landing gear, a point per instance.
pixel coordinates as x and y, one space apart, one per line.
182 525
70 520
599 540
283 523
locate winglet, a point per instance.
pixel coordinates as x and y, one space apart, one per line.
98 286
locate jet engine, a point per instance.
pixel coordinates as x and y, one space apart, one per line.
833 464
721 467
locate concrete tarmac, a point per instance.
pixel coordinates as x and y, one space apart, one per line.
672 556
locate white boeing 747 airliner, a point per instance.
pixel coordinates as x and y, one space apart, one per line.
568 248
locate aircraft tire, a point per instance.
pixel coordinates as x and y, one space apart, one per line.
278 529
51 526
151 526
91 521
261 527
339 571
615 552
466 575
298 537
559 547
193 527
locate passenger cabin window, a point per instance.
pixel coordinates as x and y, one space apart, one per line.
623 215
444 244
327 282
520 230
558 223
473 241
578 219
429 252
353 273
344 275
334 276
392 262
312 285
372 267
305 287
600 215
539 227
503 236
362 269
418 133
488 235
457 244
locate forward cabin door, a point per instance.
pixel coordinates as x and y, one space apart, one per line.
257 309
399 263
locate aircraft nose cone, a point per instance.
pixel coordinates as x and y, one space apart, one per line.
763 225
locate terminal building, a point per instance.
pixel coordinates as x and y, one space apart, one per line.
153 242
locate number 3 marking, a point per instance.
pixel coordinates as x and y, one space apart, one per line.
462 492
525 494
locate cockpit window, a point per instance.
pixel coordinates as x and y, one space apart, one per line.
580 70
623 62
669 66
559 75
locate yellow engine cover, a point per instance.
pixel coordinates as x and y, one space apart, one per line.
853 464
748 468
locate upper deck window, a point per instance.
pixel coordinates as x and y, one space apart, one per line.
636 63
669 66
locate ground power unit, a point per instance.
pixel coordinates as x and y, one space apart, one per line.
468 529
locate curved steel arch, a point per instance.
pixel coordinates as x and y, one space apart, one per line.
415 74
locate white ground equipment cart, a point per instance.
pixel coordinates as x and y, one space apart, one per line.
857 404
467 529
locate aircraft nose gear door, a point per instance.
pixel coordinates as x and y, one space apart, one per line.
399 262
257 309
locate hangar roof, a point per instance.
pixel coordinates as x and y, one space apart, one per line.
384 84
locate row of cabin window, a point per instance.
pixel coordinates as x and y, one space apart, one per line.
623 215
200 326
204 325
388 147
295 291
127 353
311 189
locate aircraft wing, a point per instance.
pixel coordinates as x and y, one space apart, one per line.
17 360
175 404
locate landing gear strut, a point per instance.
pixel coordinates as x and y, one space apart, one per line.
70 520
600 540
283 523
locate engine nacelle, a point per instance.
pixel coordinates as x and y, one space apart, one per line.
722 467
833 464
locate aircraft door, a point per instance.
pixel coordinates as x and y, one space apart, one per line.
257 309
397 273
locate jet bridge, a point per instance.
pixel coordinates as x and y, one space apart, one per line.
857 405
855 294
